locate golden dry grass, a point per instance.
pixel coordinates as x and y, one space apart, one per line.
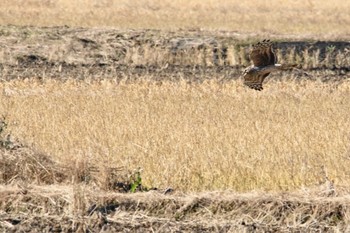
193 137
276 16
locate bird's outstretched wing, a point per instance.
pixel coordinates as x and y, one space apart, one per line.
262 54
254 80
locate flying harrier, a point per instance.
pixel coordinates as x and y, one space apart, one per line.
264 62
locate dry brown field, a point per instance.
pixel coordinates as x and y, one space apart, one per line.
299 18
119 116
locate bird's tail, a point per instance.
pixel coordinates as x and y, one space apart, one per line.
295 67
289 66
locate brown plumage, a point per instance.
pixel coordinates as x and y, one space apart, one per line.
264 62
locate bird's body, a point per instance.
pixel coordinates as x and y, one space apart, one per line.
264 62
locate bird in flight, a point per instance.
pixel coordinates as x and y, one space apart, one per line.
264 62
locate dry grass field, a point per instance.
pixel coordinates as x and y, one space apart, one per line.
325 18
146 97
194 137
